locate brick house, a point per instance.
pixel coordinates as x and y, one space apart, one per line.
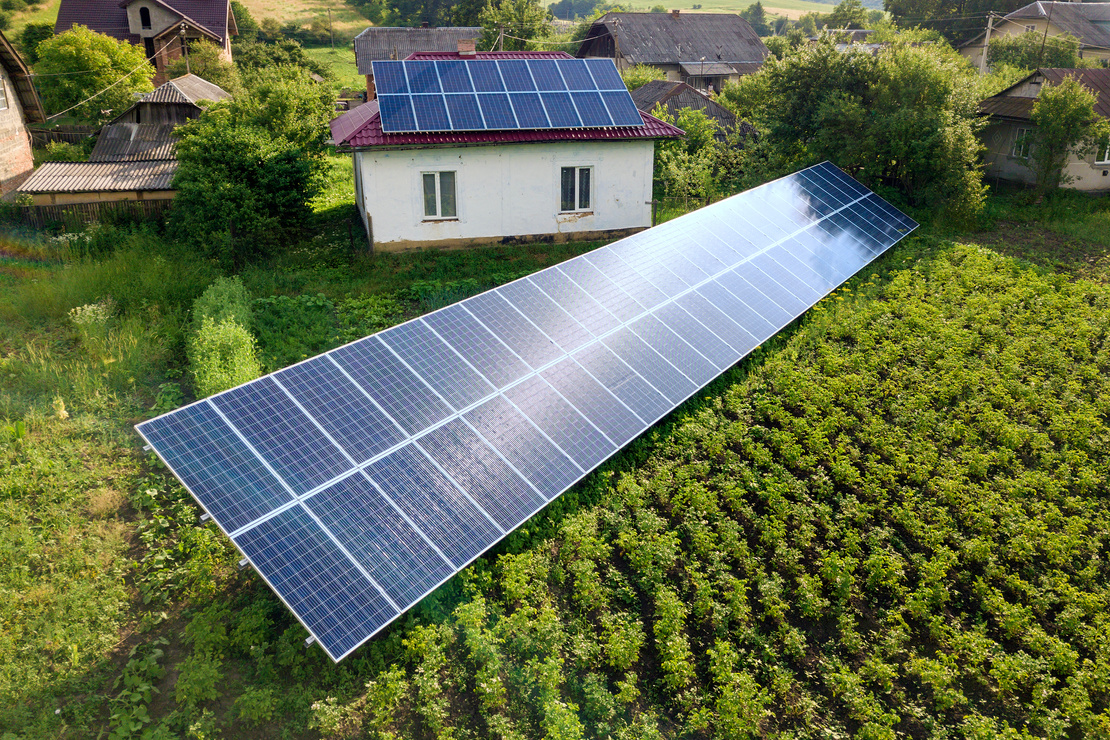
164 28
19 106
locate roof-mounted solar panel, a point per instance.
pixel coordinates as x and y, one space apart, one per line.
358 481
432 96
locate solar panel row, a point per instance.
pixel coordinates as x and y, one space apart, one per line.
506 94
359 480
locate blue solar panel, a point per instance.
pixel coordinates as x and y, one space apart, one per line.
465 113
421 95
358 481
529 110
621 108
454 77
497 111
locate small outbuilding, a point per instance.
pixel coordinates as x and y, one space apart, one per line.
19 106
1007 135
675 96
498 158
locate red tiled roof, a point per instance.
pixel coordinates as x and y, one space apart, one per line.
433 55
357 130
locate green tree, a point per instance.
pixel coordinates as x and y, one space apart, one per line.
757 18
1032 50
205 62
32 35
522 19
248 26
255 55
286 102
91 71
849 14
639 75
1065 126
957 20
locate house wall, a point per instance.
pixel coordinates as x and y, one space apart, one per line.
504 191
161 18
974 52
1086 174
15 143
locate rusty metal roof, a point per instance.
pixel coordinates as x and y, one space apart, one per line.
433 55
670 38
362 129
1007 105
674 96
185 89
92 177
379 43
134 142
21 79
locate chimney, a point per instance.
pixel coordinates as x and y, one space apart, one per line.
466 47
674 14
424 24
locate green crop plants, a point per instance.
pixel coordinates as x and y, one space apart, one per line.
137 686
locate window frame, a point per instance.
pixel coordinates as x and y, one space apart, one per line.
3 94
1021 145
590 188
439 203
144 18
1105 149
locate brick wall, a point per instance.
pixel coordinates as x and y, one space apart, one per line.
15 144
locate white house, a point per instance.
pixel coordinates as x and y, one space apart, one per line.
1089 22
455 188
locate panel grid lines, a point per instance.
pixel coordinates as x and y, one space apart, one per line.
680 327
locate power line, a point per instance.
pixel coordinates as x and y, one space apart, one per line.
121 79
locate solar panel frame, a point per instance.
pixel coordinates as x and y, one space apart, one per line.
612 373
419 95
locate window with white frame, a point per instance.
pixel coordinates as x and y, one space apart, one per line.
3 94
574 189
1022 138
1030 29
439 195
1103 156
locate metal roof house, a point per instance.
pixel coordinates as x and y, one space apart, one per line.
704 50
379 43
134 156
1008 148
162 27
1088 22
674 96
19 106
499 179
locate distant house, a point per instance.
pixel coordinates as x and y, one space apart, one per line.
1088 22
1007 135
134 157
674 96
164 28
514 179
704 50
381 43
19 106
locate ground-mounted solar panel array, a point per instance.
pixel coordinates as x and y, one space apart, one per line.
502 94
358 481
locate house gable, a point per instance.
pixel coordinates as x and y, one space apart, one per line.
19 105
671 39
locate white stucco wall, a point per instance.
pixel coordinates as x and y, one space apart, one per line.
509 190
1086 174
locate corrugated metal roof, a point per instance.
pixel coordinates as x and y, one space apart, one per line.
1088 22
110 16
92 177
663 38
134 142
185 89
379 43
674 96
21 78
369 133
1006 105
706 69
432 55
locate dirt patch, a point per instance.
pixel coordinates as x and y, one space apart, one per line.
1039 245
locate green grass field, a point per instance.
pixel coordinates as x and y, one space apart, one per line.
341 61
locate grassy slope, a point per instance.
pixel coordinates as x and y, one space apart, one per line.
888 517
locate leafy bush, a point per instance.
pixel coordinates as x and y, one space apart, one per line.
360 317
226 299
293 328
256 704
639 75
198 679
222 355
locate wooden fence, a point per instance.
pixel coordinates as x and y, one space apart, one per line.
77 215
41 136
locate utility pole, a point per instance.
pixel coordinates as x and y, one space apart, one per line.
501 38
986 44
1047 23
